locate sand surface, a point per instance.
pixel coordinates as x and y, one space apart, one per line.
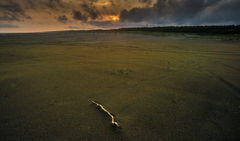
158 88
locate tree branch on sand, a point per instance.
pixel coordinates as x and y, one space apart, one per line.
113 122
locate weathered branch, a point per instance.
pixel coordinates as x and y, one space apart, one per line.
113 122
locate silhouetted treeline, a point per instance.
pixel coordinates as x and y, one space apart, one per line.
213 29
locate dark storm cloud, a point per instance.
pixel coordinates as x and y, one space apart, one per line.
93 13
136 15
9 18
166 9
12 11
180 11
84 5
77 15
115 3
112 3
12 7
90 9
145 1
2 25
30 4
227 12
62 19
54 3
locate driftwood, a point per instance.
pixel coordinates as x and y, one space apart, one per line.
113 122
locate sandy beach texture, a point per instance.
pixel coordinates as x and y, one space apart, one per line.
158 88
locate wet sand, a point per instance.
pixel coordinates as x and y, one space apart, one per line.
158 88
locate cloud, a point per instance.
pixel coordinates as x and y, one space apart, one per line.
49 5
30 4
146 1
12 11
181 11
2 25
54 3
74 27
77 15
112 3
224 12
90 9
9 18
84 5
136 15
62 19
93 13
12 7
116 3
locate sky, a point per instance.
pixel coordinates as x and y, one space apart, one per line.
55 15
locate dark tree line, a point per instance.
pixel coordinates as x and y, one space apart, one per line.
212 29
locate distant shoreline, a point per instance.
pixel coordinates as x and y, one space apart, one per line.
215 32
210 29
224 32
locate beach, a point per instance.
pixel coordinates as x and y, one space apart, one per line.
157 88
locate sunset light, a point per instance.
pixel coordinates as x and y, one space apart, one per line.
114 17
55 15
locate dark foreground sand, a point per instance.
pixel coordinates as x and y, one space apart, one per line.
158 88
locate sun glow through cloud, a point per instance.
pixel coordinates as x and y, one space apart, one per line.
114 17
102 3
